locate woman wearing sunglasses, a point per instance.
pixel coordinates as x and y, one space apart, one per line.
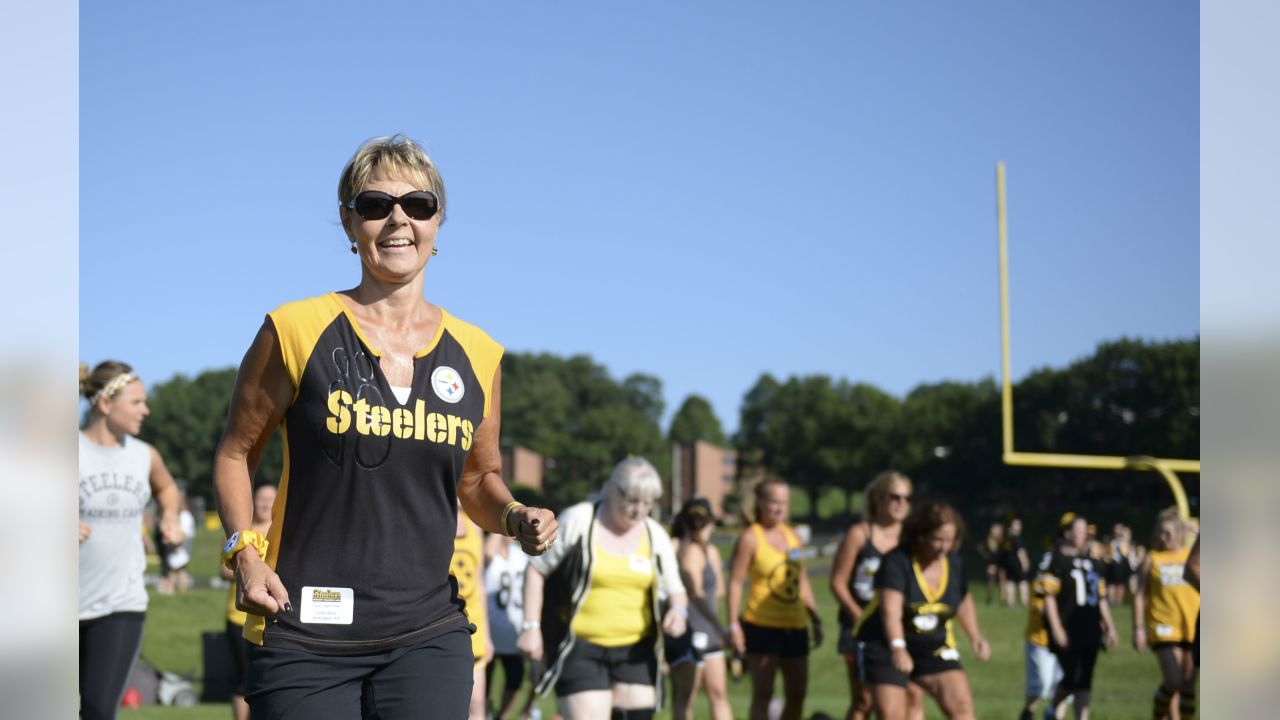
887 502
389 408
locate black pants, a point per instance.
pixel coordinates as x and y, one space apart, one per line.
109 647
431 680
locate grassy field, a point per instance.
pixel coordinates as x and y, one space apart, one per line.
1123 683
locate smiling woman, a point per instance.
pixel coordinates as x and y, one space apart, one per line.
389 407
119 474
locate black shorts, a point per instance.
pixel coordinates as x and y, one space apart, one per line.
846 643
1187 645
776 641
694 646
430 680
594 667
512 672
1077 663
875 663
239 657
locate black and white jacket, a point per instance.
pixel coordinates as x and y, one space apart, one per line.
567 568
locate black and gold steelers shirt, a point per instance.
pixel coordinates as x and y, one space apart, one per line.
363 526
927 612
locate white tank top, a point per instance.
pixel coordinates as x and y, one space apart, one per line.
115 487
504 582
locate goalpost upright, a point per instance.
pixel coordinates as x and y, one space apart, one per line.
1167 468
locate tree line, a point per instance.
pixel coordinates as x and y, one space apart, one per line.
821 433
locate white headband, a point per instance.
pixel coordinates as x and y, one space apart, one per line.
112 387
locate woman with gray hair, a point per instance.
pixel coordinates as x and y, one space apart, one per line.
591 603
389 407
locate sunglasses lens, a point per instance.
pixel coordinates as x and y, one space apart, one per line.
419 205
373 205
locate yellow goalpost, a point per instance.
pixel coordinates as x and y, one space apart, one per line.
1168 468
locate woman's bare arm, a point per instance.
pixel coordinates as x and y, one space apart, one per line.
483 493
842 569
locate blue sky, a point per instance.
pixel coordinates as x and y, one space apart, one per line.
701 193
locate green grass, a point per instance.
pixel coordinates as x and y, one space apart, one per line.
1123 682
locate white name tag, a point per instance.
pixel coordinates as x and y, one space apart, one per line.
640 564
327 605
701 641
1163 630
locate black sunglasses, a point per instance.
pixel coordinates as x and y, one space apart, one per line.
375 205
898 497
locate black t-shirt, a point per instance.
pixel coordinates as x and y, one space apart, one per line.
1078 587
926 616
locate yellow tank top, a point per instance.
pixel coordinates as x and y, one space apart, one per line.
1037 632
468 567
234 616
1172 604
616 610
774 601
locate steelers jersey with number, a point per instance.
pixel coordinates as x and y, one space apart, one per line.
363 526
1076 585
927 611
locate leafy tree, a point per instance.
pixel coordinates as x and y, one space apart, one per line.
186 423
580 419
694 421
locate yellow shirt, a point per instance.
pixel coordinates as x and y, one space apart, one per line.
1037 630
1172 604
774 601
234 616
617 611
467 567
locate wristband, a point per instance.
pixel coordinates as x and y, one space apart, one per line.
530 625
898 644
240 540
506 513
735 626
684 610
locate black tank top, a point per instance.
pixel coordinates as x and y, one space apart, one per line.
363 527
862 581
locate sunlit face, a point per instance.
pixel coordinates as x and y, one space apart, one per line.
897 501
774 505
941 541
629 510
126 410
396 248
263 500
1169 535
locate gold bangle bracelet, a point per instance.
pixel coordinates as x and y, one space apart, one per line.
506 513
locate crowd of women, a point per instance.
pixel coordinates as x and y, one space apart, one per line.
364 585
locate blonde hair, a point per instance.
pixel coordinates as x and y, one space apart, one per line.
1173 515
758 493
98 381
877 489
396 154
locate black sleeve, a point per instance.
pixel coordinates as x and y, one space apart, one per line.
894 572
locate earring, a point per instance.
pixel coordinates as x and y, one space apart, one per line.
353 249
435 251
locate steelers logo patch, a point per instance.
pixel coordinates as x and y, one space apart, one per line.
447 384
784 581
465 569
